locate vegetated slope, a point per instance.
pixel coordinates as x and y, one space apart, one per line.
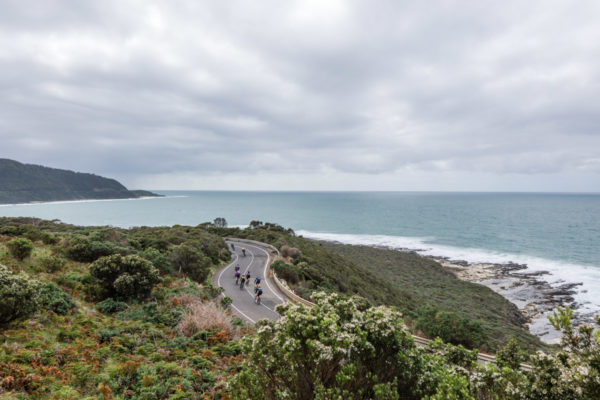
425 292
21 183
76 343
430 285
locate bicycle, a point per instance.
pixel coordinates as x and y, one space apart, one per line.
259 293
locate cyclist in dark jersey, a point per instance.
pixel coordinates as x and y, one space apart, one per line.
259 293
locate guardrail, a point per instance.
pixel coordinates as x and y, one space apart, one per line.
282 285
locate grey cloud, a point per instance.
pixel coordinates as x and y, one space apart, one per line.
135 89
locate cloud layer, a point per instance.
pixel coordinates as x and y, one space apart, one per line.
363 94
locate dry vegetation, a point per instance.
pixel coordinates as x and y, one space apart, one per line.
204 316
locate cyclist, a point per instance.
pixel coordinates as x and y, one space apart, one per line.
247 278
257 287
257 280
244 252
259 293
237 277
232 246
242 281
237 269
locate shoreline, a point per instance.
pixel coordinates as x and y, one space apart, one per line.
534 297
36 202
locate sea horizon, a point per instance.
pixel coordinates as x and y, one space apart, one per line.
553 232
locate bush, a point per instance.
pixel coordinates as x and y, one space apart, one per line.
287 251
19 295
110 306
55 299
125 276
20 248
45 237
450 327
191 262
158 259
340 348
203 316
285 271
80 248
52 263
226 302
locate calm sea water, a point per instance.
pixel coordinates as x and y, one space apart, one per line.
555 232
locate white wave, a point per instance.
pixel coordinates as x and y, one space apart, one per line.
588 295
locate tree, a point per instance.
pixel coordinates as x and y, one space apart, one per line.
191 262
20 248
125 276
19 295
340 348
220 222
255 224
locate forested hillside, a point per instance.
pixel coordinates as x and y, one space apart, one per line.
23 183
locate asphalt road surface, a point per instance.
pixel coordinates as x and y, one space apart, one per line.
255 261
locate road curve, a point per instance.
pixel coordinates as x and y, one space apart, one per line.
256 261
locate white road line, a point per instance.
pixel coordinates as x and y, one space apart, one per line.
267 276
222 294
251 261
223 270
241 312
254 297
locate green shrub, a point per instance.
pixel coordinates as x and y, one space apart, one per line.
81 248
55 299
226 302
191 262
110 306
287 272
52 263
125 276
20 248
450 327
19 295
37 235
158 259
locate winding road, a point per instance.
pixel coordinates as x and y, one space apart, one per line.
256 261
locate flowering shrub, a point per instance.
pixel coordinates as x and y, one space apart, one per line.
341 348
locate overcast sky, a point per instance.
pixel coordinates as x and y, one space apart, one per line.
306 95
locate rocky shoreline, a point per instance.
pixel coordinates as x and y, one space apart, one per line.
535 297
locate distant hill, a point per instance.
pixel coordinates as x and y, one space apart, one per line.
25 183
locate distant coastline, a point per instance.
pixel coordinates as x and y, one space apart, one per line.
28 183
34 203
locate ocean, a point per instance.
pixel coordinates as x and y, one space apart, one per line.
558 233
